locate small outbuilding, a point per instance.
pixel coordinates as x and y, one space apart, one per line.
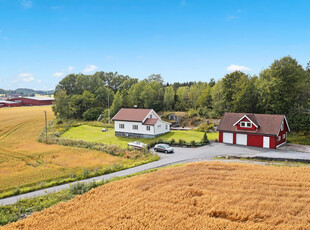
141 123
261 130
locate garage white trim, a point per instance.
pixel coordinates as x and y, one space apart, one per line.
228 138
241 139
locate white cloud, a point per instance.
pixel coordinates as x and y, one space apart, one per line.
26 77
233 68
90 68
39 81
26 3
70 68
59 74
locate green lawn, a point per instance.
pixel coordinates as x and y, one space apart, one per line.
94 134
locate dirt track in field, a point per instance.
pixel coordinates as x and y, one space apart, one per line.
209 195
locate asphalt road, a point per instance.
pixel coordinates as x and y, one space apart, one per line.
181 155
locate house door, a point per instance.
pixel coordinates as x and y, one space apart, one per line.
228 138
241 139
266 142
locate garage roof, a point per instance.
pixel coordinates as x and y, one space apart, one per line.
269 124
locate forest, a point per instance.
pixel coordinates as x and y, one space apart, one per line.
282 88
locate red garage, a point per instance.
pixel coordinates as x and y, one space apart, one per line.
261 130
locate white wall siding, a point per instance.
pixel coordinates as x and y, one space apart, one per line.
128 127
160 127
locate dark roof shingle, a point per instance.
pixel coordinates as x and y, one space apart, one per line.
131 114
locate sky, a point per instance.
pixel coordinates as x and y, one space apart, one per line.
41 41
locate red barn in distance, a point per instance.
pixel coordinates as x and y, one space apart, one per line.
33 100
261 130
9 104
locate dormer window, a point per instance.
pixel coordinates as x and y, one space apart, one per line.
245 124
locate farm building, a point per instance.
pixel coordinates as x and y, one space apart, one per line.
139 123
261 130
9 104
34 100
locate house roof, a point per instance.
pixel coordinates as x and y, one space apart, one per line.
41 98
131 114
150 121
268 124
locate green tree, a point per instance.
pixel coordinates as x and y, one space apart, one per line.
169 98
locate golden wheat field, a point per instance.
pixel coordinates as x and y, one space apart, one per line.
23 160
208 195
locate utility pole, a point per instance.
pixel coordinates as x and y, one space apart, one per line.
45 127
109 107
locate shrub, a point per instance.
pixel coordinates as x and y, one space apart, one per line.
181 142
205 138
172 141
193 142
92 114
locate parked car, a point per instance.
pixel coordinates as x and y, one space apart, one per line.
163 148
137 145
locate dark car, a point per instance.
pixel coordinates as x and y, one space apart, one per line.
163 148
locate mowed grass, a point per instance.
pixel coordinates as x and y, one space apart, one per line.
25 161
94 134
205 195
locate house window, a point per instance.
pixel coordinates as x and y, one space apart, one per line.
121 126
148 128
159 126
135 127
166 126
151 116
245 124
282 126
283 136
279 138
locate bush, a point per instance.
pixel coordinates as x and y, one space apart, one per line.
172 141
92 114
193 142
181 142
205 138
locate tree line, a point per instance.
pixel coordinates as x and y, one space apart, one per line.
282 88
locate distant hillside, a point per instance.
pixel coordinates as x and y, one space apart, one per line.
26 92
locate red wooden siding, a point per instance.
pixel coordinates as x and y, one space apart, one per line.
220 136
282 140
255 140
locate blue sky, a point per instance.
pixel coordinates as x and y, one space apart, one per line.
184 40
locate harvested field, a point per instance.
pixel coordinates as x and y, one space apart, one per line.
24 161
209 195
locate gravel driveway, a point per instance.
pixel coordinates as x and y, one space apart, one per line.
181 155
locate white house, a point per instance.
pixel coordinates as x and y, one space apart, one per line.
143 123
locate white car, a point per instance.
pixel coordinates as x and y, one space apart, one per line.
137 145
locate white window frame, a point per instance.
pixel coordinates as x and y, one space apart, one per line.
283 136
121 126
244 124
135 127
148 128
279 138
166 126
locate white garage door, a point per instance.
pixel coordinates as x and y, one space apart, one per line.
228 138
241 139
266 143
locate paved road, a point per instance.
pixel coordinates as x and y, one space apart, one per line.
181 155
